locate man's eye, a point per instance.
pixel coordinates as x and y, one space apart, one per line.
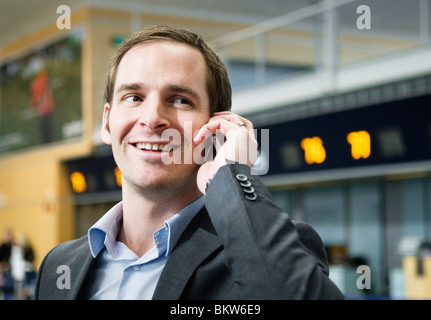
182 101
133 99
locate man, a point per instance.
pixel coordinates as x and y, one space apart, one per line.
184 229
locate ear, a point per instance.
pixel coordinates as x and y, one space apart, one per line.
105 132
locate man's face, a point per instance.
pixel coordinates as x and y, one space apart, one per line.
159 85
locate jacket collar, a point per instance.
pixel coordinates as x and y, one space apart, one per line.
198 241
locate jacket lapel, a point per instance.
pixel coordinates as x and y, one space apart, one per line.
197 242
80 266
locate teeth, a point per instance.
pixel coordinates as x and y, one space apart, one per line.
152 146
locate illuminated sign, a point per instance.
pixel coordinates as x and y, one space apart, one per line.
361 144
94 174
77 179
314 150
118 177
387 133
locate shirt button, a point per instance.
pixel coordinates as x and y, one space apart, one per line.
136 267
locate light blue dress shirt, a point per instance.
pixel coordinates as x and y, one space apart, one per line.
119 274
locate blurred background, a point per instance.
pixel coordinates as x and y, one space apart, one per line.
339 92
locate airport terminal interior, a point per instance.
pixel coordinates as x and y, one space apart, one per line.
339 92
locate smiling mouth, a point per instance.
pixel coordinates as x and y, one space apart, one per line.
159 147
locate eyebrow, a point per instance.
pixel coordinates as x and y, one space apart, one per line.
135 86
185 90
130 87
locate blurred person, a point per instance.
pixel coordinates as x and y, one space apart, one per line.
185 229
5 249
21 265
6 280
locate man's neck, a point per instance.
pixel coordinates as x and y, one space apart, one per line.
145 213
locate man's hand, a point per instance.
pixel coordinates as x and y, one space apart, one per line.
240 144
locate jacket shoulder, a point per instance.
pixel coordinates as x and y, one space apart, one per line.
313 243
67 252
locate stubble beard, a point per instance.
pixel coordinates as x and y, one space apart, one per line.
171 185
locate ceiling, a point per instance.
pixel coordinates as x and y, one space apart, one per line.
19 15
398 18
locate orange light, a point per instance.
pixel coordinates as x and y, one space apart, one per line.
361 144
79 185
314 152
118 177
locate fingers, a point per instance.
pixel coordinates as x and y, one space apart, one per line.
233 118
239 145
223 122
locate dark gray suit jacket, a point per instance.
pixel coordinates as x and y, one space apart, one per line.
239 246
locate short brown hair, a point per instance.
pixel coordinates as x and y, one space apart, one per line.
218 84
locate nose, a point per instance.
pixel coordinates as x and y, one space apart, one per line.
154 114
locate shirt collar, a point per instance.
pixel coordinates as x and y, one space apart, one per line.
178 222
106 229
